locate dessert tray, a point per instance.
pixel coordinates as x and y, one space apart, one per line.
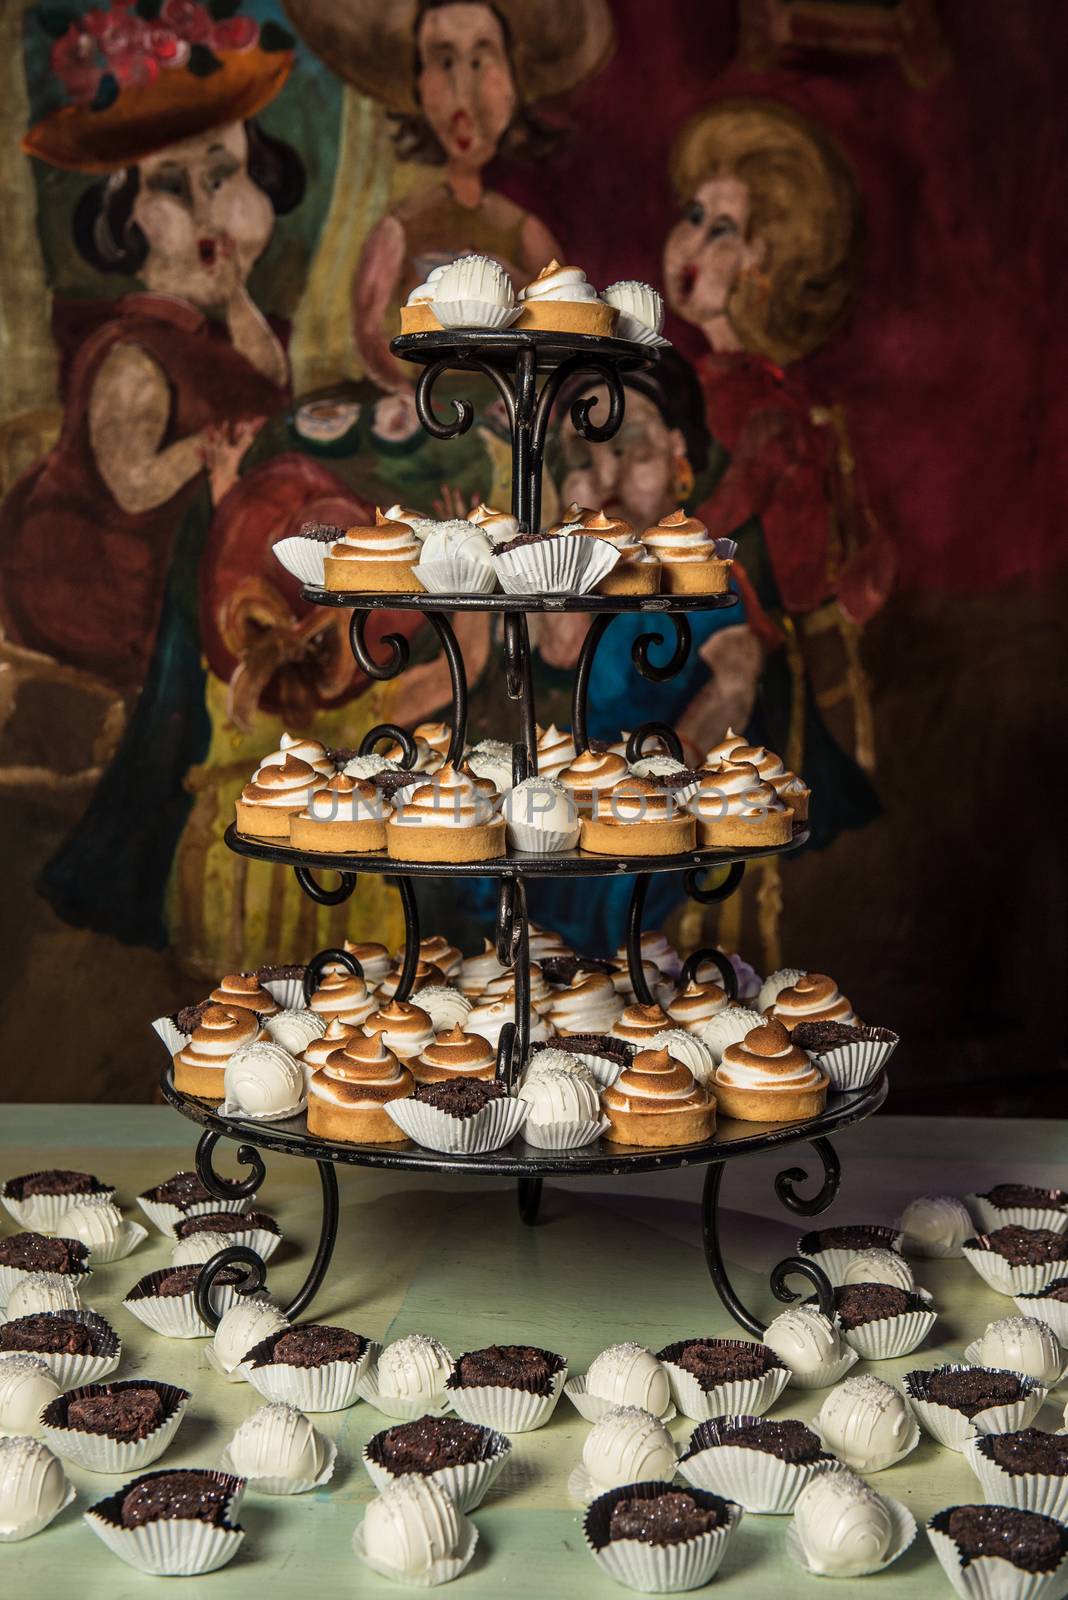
528 371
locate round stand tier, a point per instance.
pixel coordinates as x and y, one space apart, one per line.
466 349
522 604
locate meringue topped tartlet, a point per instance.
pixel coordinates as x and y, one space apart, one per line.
343 814
562 300
637 818
347 1096
376 559
278 791
767 1078
657 1101
692 561
450 818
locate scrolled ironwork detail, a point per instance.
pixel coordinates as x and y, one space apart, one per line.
660 672
694 962
254 1276
458 680
410 906
319 893
801 1267
424 403
399 649
318 964
228 1188
691 882
653 730
396 735
832 1177
635 966
580 685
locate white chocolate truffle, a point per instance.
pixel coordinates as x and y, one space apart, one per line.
445 1006
550 1060
844 1526
412 1524
277 1441
26 1387
43 1291
1020 1344
804 1339
98 1226
629 1375
243 1325
935 1225
690 1050
773 986
540 805
263 1080
414 1368
32 1483
865 1423
628 1446
475 277
295 1030
640 307
555 1097
728 1026
880 1266
200 1247
457 540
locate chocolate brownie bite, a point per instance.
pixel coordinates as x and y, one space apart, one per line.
1057 1290
789 1440
507 1366
969 1390
129 1415
189 1018
1026 1539
853 1236
55 1181
1028 1450
430 1444
1024 1196
616 1051
236 1222
1024 1247
667 1518
189 1495
314 1344
184 1189
715 1361
48 1333
644 1535
856 1304
560 970
460 1096
36 1252
820 1037
183 1280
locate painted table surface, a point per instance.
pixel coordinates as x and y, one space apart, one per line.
611 1260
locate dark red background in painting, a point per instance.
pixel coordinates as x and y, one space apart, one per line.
952 366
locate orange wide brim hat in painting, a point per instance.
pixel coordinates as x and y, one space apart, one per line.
143 86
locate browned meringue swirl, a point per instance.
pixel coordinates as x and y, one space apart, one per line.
766 1058
654 1082
283 783
363 1071
218 1034
635 800
244 991
640 1023
813 998
459 1052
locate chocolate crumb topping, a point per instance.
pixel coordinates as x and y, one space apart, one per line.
388 782
124 1412
57 1180
428 1444
48 1332
35 1252
1031 1542
858 1303
561 970
589 1044
716 1361
313 1345
855 1236
1025 1196
970 1390
225 1222
184 1496
1028 1450
522 539
184 1189
322 532
507 1366
664 1519
460 1096
789 1440
822 1036
183 1280
1027 1247
189 1018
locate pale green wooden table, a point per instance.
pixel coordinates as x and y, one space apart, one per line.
450 1257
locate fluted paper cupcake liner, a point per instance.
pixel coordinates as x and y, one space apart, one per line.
171 1035
238 1374
498 1122
637 332
443 1571
43 1213
854 1066
230 1108
507 1410
749 1397
563 1135
178 1547
1054 1313
904 1532
72 1371
1007 1279
836 1260
989 1217
475 314
826 1374
606 1072
332 1387
404 1408
863 1464
570 563
15 1532
304 558
951 1427
130 1236
176 1316
759 1481
11 1277
97 1452
889 1337
289 1485
542 841
1027 1491
973 1355
166 1217
467 1484
992 1577
592 1408
456 575
583 1488
261 1241
651 1568
286 992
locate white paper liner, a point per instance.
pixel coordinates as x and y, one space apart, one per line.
304 558
286 992
669 1568
507 1410
592 1408
260 1240
862 1464
125 1244
1054 1313
952 1428
14 1533
542 841
166 1029
991 1577
1005 1279
827 1373
181 1547
892 1336
239 1374
570 563
176 1316
564 1135
166 1217
438 1572
1028 1491
11 1277
74 1372
836 1260
904 1532
973 1355
637 331
43 1213
605 1071
583 1488
230 1108
456 575
96 1452
289 1485
989 1217
748 1397
403 1408
466 1485
332 1387
757 1480
475 314
498 1122
854 1066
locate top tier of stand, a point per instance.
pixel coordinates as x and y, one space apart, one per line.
466 348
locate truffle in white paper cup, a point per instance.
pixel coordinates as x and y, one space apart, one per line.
1043 1304
474 314
43 1291
33 1489
519 1407
11 1277
488 1129
854 1066
731 1397
952 1427
641 310
990 1216
1002 1276
102 1228
467 1483
252 1232
249 1321
26 1388
665 1568
170 1547
889 1337
935 1226
331 1386
414 1533
407 1379
304 554
1045 1492
848 1530
43 1213
627 1445
70 1370
1020 1344
170 1035
100 1452
992 1577
758 1479
867 1424
835 1259
563 563
622 1375
810 1345
277 1451
175 1315
165 1216
454 575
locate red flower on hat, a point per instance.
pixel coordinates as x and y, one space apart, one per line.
188 19
165 45
78 64
235 33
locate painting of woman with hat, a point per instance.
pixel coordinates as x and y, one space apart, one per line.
459 78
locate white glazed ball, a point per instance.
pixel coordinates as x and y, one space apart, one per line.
555 1097
32 1483
295 1030
200 1247
637 300
26 1387
445 1006
550 1061
845 1528
43 1291
689 1049
880 1266
277 1441
1021 1344
412 1524
542 804
263 1079
935 1225
865 1423
414 1368
628 1446
629 1375
97 1226
459 540
728 1026
243 1325
773 986
804 1339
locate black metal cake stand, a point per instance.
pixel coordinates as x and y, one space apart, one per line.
528 371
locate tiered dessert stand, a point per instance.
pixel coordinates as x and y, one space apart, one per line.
528 371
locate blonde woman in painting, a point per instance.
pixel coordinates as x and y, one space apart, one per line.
459 79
